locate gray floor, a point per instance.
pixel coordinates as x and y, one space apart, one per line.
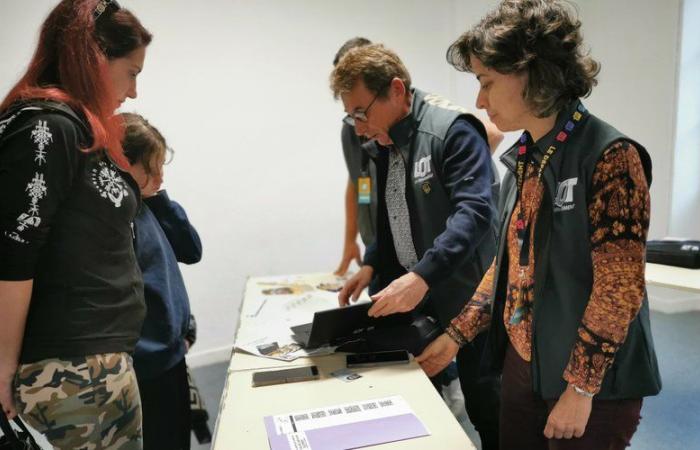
670 421
210 381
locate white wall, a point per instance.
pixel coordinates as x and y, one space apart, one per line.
259 163
240 90
685 218
637 44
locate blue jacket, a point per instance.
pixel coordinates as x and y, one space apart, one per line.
451 190
164 237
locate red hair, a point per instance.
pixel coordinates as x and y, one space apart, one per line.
70 65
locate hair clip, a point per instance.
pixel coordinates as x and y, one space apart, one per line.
102 6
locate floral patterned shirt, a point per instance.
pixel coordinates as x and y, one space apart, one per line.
619 219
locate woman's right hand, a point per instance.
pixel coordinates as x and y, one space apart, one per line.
437 355
7 399
15 297
354 286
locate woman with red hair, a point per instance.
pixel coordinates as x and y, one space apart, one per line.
71 294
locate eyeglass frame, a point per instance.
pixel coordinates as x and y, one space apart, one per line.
361 115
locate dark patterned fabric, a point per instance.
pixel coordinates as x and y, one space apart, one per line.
619 220
397 209
66 222
476 316
619 217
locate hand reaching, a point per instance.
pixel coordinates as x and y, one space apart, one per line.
354 286
402 295
437 355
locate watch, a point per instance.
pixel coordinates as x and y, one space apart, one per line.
580 391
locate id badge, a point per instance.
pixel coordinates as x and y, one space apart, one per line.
364 187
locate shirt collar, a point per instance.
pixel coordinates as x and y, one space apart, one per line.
537 149
402 131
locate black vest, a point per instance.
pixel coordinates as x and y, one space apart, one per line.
564 270
420 138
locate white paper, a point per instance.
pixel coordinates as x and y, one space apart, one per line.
346 413
275 304
298 441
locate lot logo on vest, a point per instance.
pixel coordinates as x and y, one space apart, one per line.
442 102
422 170
564 199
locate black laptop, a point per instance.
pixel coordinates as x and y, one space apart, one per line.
333 326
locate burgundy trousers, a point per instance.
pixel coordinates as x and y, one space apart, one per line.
524 416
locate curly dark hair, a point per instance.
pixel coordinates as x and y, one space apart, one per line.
539 37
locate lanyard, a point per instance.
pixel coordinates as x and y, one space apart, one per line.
364 161
523 223
364 182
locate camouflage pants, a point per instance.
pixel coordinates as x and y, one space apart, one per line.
89 403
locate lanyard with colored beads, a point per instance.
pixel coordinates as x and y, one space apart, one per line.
523 224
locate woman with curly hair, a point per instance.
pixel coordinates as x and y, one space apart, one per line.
564 301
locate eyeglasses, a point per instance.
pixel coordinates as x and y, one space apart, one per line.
361 115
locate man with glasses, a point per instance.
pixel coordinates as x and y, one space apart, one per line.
436 224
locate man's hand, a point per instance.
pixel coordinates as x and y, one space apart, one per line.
7 399
437 355
354 286
402 295
569 416
351 251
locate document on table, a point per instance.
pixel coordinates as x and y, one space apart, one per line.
346 426
291 299
282 348
275 304
267 333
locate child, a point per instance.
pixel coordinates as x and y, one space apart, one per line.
164 237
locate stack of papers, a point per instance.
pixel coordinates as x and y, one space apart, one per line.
346 426
275 304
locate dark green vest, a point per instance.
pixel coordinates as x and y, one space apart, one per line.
421 140
564 270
